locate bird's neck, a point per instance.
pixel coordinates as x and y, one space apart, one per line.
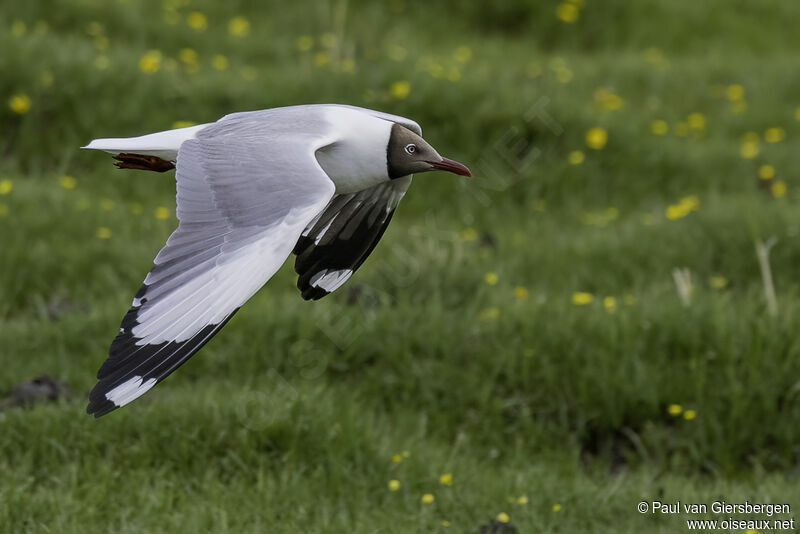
357 160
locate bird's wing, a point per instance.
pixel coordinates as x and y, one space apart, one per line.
402 121
339 239
244 196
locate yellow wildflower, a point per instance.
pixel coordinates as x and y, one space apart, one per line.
436 70
103 232
94 28
596 138
46 78
469 234
676 211
20 104
219 62
691 202
697 121
564 75
503 517
774 135
238 26
397 458
428 498
556 507
101 43
406 454
188 56
347 65
534 69
718 282
653 55
735 92
659 127
162 213
171 18
107 204
522 500
462 54
778 189
328 39
67 182
150 62
304 43
750 137
321 59
248 73
18 28
689 415
749 149
610 304
182 124
490 314
445 523
739 107
6 186
766 172
582 298
394 485
675 410
395 52
446 479
197 21
453 74
576 157
491 278
521 292
567 12
605 99
101 62
400 90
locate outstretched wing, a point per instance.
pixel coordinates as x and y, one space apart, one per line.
340 238
243 201
402 121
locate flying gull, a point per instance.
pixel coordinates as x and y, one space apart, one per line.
319 181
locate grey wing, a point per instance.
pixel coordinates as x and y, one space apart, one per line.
402 121
242 204
340 238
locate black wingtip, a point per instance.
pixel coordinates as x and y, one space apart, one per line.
128 361
101 408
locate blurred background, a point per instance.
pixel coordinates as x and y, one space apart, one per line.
606 313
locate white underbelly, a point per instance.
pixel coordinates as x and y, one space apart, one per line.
350 174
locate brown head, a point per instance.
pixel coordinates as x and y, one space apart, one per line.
407 153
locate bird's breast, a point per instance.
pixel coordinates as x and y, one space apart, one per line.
351 169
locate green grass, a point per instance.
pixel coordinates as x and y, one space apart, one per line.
289 419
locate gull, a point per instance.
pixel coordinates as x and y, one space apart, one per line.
320 181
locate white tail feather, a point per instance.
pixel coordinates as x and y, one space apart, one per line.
164 145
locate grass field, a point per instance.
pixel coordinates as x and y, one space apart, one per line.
583 325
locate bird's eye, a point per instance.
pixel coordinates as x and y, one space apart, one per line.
411 148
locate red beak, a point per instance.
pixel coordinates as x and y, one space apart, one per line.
451 166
